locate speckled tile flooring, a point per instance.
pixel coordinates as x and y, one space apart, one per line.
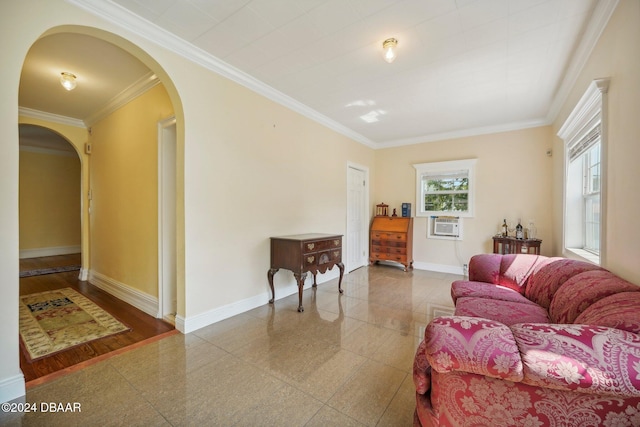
345 361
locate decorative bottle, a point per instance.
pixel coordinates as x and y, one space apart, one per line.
519 231
505 228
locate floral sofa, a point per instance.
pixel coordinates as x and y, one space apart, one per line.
534 341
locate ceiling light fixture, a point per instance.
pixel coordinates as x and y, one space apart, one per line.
389 47
68 81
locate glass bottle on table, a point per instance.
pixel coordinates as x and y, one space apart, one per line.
505 228
519 231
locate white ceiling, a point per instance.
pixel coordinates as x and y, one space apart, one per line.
464 66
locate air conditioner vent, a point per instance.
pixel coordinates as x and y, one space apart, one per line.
446 226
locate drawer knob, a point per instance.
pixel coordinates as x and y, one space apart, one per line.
310 246
310 259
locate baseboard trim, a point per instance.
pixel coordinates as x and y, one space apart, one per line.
52 251
439 268
12 388
138 299
193 323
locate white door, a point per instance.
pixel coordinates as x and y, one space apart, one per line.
357 217
167 276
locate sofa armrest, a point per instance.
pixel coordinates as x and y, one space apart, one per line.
584 358
474 345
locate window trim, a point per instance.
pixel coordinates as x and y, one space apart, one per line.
438 168
591 109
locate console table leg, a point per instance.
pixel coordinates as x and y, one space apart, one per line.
300 279
341 267
270 274
315 284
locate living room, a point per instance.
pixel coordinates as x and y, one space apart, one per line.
230 147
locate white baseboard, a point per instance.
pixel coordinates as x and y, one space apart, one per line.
12 388
440 268
192 323
138 299
57 250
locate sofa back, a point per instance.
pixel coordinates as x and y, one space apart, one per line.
552 273
511 271
582 291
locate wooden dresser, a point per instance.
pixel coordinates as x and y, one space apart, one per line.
391 239
303 253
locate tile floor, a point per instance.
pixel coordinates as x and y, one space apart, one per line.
345 361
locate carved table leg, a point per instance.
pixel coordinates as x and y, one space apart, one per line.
270 274
300 279
315 284
341 267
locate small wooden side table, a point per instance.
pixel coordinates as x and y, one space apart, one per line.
303 253
511 245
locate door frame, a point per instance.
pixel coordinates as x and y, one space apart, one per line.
166 222
366 216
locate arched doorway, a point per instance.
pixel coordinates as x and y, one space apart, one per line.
118 210
49 198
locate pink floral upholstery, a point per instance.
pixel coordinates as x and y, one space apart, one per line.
618 311
506 312
499 361
582 290
471 344
485 268
515 270
460 399
465 288
545 281
590 359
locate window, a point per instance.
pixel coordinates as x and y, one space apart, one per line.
584 177
445 188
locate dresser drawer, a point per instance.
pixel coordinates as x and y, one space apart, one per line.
324 257
384 256
390 237
321 245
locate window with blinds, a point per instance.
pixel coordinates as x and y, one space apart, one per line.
582 134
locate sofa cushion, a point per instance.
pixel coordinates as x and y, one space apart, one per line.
507 312
466 288
480 346
549 275
585 358
582 290
620 311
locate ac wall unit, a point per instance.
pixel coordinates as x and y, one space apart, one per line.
446 226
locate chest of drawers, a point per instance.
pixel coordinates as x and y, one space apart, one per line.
303 253
391 239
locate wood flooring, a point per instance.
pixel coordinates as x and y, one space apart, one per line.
143 327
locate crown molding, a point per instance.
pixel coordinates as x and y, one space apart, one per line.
463 133
597 23
50 117
116 14
138 88
125 19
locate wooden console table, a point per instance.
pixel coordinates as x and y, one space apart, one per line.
303 253
511 245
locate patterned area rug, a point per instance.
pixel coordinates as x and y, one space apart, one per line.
51 270
54 321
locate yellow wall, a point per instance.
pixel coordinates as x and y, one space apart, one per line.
616 56
513 175
49 200
124 189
